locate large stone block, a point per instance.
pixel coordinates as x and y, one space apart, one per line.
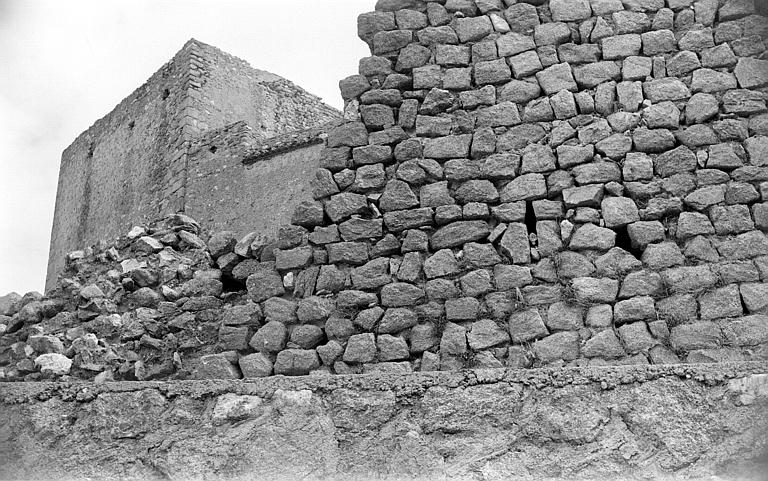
515 245
525 326
751 73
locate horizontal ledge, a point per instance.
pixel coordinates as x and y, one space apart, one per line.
607 376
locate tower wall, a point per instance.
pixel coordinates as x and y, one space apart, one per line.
241 183
131 165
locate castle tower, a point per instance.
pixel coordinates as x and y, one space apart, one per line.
133 164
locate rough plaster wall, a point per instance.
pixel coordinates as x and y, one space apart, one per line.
271 105
667 423
225 194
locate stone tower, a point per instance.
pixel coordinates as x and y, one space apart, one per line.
133 164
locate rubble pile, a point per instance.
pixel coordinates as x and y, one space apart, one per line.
147 306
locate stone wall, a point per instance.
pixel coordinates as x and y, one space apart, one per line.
567 182
132 165
496 222
681 422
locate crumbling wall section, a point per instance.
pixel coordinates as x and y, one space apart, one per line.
132 166
128 166
605 205
529 183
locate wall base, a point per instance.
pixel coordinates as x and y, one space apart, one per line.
658 422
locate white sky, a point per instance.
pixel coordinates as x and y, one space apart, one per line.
66 63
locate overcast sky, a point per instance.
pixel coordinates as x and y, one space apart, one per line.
65 64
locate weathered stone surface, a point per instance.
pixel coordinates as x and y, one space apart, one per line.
757 150
476 191
636 337
524 64
343 205
660 90
391 348
604 344
462 309
452 343
689 279
525 187
514 244
635 309
408 219
733 219
212 366
459 233
562 316
264 284
255 365
621 46
441 263
653 140
450 147
492 72
705 197
472 28
270 338
746 331
591 289
509 277
619 211
353 253
400 294
643 233
522 18
360 348
570 11
351 407
296 362
658 42
53 364
525 326
721 302
709 80
486 333
397 196
592 237
351 134
682 63
556 78
751 73
583 196
696 335
559 346
691 224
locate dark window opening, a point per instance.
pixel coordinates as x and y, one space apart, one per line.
213 149
623 241
131 124
166 93
530 218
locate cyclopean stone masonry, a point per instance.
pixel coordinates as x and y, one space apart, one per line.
571 182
